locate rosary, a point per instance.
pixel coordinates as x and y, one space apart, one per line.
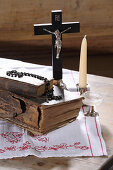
48 92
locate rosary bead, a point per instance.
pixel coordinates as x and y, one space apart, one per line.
31 75
47 84
25 74
35 76
8 74
28 74
20 74
13 71
45 79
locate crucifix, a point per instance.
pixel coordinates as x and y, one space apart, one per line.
56 29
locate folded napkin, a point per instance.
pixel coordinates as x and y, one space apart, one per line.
80 138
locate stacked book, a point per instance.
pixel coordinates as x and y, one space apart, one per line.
27 104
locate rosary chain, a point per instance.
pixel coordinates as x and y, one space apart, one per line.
48 92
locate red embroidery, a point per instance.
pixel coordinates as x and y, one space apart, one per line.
15 137
40 148
60 146
42 139
2 151
57 147
76 145
11 148
25 146
12 137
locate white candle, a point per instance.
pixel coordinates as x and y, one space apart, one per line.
83 64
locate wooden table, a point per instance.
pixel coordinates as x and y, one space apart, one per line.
103 86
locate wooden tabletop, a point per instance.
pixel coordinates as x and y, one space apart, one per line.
103 86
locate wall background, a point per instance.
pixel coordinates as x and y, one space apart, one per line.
96 18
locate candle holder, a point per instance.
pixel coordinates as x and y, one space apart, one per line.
82 90
91 99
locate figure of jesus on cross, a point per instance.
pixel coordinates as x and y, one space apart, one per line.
58 42
56 28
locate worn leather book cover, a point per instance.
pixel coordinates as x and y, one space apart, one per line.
24 88
39 117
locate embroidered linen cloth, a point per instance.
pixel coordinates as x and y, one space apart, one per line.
80 138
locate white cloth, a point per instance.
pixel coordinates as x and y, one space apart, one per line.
80 138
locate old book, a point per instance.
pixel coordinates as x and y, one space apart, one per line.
24 88
39 118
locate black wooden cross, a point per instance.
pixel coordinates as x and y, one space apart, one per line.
56 28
